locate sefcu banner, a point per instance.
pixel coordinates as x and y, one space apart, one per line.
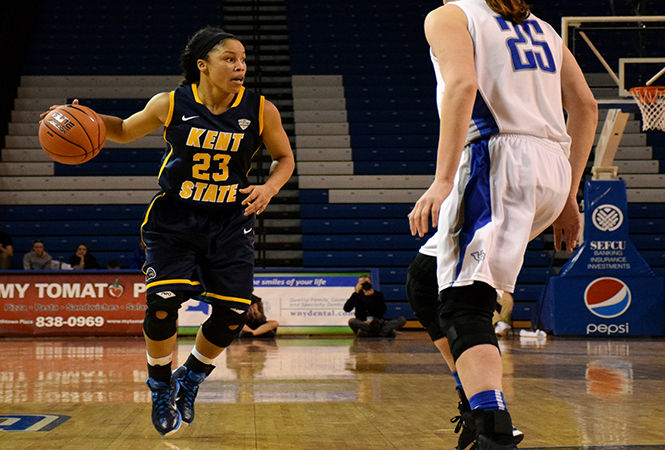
606 288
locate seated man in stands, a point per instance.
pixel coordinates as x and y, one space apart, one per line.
370 307
257 324
83 259
37 258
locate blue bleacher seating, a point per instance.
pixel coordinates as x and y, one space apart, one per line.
393 129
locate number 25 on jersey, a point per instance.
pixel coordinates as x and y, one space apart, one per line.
526 51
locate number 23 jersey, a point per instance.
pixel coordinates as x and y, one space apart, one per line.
208 155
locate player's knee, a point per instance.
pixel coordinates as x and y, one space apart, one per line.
466 317
161 317
422 293
223 326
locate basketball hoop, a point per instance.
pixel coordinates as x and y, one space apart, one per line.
651 101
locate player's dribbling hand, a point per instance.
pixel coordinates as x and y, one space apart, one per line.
428 205
52 107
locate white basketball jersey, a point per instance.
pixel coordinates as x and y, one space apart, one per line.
519 76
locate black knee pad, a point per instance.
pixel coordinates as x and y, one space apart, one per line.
422 291
223 325
466 316
156 328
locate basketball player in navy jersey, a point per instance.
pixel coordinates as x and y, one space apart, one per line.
199 230
507 168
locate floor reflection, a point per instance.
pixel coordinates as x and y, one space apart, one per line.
302 369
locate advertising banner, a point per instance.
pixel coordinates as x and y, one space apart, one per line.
92 303
606 288
103 303
297 300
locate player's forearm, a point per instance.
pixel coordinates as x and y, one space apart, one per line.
456 113
114 129
582 123
281 173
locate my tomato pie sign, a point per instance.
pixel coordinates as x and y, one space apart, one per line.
72 304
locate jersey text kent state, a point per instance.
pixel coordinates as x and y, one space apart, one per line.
210 168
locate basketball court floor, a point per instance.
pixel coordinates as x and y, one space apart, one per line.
330 393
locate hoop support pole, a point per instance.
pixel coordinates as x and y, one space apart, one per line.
600 57
655 77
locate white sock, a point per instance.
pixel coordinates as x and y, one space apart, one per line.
163 361
204 359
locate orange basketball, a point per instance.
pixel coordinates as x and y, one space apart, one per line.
72 134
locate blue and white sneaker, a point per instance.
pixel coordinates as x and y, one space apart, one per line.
165 416
188 386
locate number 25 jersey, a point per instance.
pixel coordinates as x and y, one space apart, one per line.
208 155
519 75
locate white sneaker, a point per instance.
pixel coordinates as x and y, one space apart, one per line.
502 328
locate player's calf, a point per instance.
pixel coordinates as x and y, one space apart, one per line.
188 383
219 329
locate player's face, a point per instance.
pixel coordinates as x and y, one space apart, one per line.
226 66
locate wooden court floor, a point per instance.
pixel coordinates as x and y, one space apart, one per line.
329 393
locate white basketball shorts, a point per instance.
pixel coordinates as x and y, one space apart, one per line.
508 189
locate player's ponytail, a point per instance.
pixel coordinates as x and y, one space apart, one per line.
515 10
197 48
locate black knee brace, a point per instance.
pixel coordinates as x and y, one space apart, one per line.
223 325
466 316
157 326
422 291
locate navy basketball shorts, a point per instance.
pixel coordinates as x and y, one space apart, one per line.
206 253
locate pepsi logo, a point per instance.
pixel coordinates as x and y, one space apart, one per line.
607 297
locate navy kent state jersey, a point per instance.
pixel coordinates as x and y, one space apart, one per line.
208 156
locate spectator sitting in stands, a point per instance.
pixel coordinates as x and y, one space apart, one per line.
257 323
113 265
6 250
37 258
82 259
370 307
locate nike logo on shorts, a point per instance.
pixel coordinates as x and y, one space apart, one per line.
185 119
246 231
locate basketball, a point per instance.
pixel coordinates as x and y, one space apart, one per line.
72 134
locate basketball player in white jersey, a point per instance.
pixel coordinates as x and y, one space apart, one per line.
507 168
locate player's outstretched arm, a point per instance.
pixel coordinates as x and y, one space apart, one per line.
140 123
278 145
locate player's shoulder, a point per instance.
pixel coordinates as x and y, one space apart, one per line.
161 99
446 14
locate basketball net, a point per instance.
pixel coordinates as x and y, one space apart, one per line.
651 101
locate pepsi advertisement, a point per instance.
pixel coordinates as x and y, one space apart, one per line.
606 288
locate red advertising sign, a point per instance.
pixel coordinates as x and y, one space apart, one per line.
72 304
